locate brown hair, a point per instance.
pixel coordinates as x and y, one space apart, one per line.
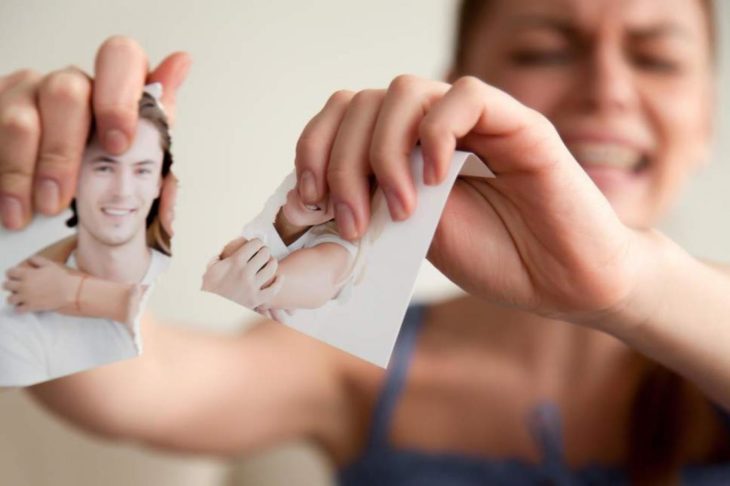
157 236
666 406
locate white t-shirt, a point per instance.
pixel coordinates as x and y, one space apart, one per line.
41 346
262 227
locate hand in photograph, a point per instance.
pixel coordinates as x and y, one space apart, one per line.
40 285
245 273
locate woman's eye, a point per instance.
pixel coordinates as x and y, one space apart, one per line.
657 63
541 57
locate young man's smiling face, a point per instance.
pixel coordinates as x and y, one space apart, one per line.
115 192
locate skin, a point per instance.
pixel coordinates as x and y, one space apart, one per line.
305 279
294 217
44 285
115 193
113 198
573 340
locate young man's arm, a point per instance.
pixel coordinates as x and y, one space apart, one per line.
311 276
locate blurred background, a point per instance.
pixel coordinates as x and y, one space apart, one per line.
260 71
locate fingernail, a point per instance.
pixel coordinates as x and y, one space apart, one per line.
48 196
308 187
115 141
345 221
395 203
12 212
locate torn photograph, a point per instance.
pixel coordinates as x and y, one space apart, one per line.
290 264
75 285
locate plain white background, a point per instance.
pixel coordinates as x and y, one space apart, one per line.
261 70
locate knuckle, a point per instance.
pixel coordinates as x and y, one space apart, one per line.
431 128
338 177
340 97
380 157
15 180
25 76
66 87
308 147
19 121
404 84
240 259
539 119
54 160
468 83
366 98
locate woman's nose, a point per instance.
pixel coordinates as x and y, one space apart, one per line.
609 84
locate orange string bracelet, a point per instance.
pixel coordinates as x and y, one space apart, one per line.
78 293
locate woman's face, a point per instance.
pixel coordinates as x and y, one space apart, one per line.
627 83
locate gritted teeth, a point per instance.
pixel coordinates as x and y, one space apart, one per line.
312 207
608 155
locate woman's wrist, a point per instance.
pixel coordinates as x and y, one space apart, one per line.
652 256
70 287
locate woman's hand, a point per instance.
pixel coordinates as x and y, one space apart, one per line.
39 284
245 272
539 236
45 121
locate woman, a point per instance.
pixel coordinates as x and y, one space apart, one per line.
554 385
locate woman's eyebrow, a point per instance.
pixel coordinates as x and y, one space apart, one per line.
666 29
567 27
553 22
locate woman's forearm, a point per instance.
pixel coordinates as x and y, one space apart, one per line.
679 315
311 276
95 297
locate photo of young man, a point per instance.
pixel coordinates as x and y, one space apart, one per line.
61 319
